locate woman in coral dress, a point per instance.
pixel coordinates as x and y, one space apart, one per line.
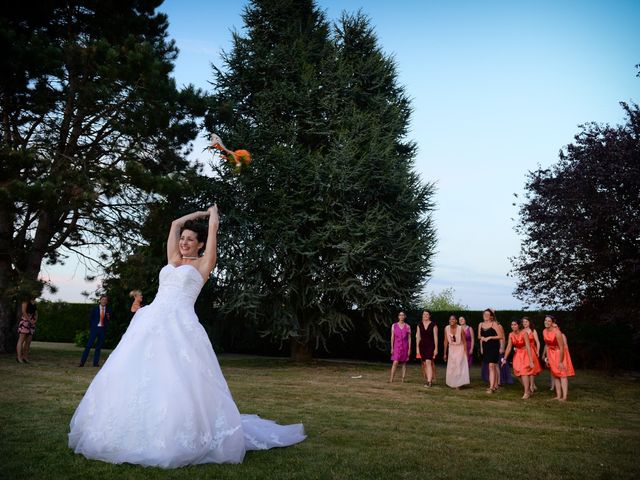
455 354
523 363
534 343
557 358
400 345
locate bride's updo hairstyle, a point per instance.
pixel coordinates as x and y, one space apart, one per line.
200 229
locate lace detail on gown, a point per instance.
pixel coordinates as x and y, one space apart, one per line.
160 399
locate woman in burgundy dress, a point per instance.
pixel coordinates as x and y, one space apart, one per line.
400 345
427 341
468 335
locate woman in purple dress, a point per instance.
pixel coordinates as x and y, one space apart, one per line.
468 335
400 345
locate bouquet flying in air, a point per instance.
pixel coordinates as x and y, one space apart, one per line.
237 158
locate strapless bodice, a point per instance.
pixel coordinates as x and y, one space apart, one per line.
180 284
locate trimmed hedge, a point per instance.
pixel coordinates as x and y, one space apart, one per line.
61 321
592 344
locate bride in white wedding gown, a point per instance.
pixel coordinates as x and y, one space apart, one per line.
161 399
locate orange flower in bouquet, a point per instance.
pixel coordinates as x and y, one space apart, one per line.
243 156
238 158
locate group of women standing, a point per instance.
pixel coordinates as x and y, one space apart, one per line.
458 347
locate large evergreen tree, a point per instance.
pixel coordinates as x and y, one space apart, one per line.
93 129
330 218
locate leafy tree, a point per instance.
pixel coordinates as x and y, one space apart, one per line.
93 129
443 301
581 226
330 217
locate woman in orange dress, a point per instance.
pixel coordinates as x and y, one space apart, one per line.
557 358
534 343
523 364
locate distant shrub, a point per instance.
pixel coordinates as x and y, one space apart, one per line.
81 338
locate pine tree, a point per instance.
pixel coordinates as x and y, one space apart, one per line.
92 131
329 218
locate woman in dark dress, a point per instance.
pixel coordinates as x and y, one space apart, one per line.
427 342
490 336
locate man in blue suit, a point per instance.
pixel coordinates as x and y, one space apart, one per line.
98 320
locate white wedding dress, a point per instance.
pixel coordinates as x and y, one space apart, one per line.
161 399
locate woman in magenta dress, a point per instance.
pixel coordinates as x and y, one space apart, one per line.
400 345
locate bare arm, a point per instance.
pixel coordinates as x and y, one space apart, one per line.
561 346
463 339
500 331
473 342
435 340
527 345
446 342
409 339
508 350
392 339
24 308
210 257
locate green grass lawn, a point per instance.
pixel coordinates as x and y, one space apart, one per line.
356 427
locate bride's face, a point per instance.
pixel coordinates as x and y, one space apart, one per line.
189 244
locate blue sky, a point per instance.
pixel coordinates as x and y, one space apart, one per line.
498 87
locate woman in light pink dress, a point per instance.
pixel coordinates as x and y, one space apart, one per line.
455 354
400 345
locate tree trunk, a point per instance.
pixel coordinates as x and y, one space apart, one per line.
301 351
8 326
7 340
14 285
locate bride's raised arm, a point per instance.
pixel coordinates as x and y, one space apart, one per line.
173 248
209 258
